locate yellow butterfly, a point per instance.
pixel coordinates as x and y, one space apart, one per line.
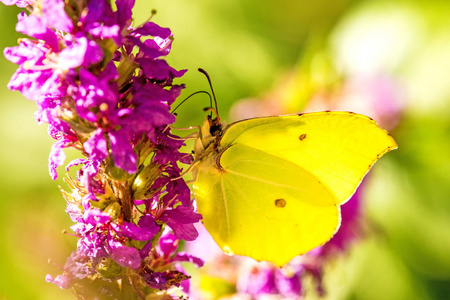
271 188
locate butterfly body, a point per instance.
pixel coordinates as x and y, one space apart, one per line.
270 188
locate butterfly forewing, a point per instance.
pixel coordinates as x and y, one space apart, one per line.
338 148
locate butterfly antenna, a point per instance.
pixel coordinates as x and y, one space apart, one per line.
212 90
184 100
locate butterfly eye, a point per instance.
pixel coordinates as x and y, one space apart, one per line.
214 130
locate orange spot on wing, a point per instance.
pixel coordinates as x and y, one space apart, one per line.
280 203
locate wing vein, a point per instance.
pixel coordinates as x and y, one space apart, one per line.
226 208
265 181
227 169
249 203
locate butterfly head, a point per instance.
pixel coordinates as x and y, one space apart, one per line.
211 130
215 126
212 127
208 136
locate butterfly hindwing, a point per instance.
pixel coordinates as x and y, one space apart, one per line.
259 204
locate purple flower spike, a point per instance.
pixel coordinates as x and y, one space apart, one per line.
104 90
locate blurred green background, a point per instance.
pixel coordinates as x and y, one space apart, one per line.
282 56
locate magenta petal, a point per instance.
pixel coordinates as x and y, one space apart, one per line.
122 151
76 162
93 55
159 69
181 221
95 217
55 15
95 91
19 3
153 29
74 212
83 52
106 32
124 12
144 231
148 223
72 56
99 12
168 244
96 146
257 282
288 286
156 47
184 256
175 90
56 158
34 26
64 282
30 83
145 250
127 257
186 232
182 214
25 52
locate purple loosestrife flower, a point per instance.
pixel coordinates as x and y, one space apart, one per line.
105 90
157 274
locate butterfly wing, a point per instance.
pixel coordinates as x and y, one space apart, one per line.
264 207
338 148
